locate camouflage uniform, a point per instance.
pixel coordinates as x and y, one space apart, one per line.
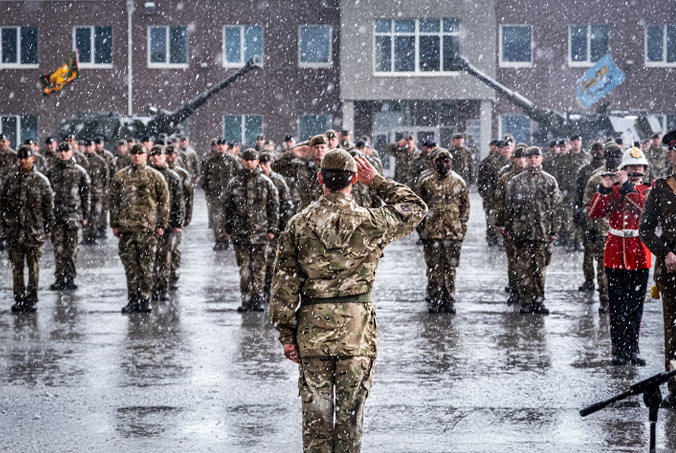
121 161
165 242
188 200
584 173
487 180
500 219
70 185
660 165
404 163
328 258
285 165
217 170
110 167
423 166
26 207
251 212
190 161
442 232
532 215
463 163
50 158
7 163
596 232
97 169
308 185
569 164
286 211
139 204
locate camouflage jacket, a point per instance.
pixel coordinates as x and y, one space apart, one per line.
375 160
447 198
70 186
97 169
404 163
286 165
600 225
40 163
583 175
487 177
50 158
110 162
251 207
659 163
660 211
191 163
26 207
532 206
286 204
501 193
550 165
121 161
8 161
331 249
423 166
216 171
569 164
463 163
188 191
309 188
139 200
176 200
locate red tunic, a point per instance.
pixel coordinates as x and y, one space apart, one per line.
624 250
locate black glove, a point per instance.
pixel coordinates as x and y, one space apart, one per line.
592 235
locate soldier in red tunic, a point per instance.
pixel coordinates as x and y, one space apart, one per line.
621 197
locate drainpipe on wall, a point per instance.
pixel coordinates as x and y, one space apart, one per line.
130 42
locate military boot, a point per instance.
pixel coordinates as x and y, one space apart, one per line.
539 309
144 305
24 307
70 285
513 298
173 283
131 307
257 305
603 306
57 286
587 287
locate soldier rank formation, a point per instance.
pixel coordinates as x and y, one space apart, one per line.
308 222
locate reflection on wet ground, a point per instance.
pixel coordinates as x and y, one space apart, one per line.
195 375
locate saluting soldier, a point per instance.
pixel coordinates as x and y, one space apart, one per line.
97 169
251 212
70 185
532 221
443 230
327 262
188 201
26 214
139 214
660 211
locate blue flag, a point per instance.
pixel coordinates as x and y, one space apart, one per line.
599 80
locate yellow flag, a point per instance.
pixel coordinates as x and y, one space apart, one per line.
67 73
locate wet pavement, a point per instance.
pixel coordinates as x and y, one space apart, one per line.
197 376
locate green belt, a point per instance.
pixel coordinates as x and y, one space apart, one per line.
355 298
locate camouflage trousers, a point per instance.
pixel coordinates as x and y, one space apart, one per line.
65 239
441 258
532 259
19 255
512 269
570 231
215 208
593 252
175 256
666 283
251 260
163 260
333 392
270 267
137 253
492 235
103 224
91 230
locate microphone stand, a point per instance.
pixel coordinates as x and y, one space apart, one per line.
652 397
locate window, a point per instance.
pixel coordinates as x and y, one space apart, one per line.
309 125
19 46
660 45
419 46
517 125
168 46
94 45
241 42
516 48
19 128
587 44
242 128
314 46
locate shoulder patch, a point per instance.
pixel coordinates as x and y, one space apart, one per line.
404 210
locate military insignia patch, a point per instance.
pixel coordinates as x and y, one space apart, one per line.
405 208
636 153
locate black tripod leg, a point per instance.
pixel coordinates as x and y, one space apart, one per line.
653 398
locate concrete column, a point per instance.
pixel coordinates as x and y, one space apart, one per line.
348 116
485 116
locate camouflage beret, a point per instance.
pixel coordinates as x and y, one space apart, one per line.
442 153
24 151
331 133
338 159
265 156
157 149
319 140
249 154
137 149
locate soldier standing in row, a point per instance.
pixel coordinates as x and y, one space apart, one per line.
660 211
251 212
487 179
189 158
70 186
443 230
7 163
188 201
121 157
306 172
424 164
49 152
569 164
285 165
26 215
406 154
101 151
518 164
139 214
532 221
327 262
97 169
39 160
463 160
158 161
660 165
286 211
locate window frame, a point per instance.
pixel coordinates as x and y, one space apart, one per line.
18 64
18 132
242 118
515 64
316 65
242 43
587 63
501 132
657 64
167 65
316 115
416 34
92 39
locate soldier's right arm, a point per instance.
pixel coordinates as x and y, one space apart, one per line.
228 208
162 197
84 194
47 205
650 219
115 200
204 174
403 209
499 202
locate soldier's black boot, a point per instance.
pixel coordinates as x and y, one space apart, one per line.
70 285
57 286
603 306
587 287
144 306
257 305
24 307
513 298
132 306
173 284
540 309
526 308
